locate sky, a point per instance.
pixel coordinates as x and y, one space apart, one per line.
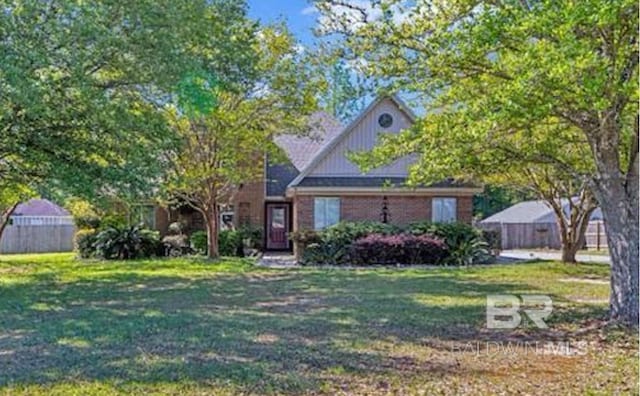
298 14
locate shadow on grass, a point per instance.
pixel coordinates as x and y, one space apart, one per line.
265 330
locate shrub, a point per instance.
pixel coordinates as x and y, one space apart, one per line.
199 242
84 242
493 239
114 220
465 243
88 222
126 243
230 243
344 233
398 249
473 250
325 253
305 237
251 237
333 244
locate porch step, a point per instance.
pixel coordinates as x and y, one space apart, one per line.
278 260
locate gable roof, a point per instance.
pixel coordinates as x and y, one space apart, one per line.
39 207
331 145
532 212
299 151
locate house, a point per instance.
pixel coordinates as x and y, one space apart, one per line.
533 224
318 186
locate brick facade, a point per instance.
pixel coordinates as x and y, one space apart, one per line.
402 209
248 205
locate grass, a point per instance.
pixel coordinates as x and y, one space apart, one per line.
187 326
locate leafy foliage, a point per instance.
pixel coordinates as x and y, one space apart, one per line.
465 243
511 90
198 241
398 249
251 236
230 243
126 243
335 245
84 242
220 147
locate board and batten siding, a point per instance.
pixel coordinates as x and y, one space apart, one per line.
364 136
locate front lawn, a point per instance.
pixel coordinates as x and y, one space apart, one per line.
193 327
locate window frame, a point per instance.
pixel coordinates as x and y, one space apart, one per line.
326 220
437 213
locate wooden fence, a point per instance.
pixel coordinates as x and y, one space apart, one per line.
596 236
543 235
38 234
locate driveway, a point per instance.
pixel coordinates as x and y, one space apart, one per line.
551 255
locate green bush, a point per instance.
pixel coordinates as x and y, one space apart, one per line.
251 237
465 243
199 242
89 222
472 250
84 242
230 243
493 239
345 232
126 243
333 245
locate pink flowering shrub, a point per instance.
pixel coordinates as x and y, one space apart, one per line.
398 249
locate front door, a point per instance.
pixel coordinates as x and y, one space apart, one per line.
278 226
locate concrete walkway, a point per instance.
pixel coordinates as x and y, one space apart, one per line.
277 260
551 255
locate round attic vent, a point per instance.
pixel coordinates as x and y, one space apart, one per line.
385 120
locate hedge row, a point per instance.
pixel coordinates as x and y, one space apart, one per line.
366 243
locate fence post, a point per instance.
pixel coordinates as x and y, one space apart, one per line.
598 235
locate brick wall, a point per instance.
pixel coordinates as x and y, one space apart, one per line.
402 209
465 209
248 204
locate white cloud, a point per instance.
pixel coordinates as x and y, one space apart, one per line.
309 10
354 14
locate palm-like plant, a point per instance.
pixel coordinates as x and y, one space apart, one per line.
125 243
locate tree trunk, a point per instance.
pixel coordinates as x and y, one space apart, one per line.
212 231
617 193
621 222
572 227
569 251
5 216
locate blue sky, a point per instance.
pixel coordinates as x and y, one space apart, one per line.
294 12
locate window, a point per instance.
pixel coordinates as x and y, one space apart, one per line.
143 214
443 210
226 220
277 218
326 212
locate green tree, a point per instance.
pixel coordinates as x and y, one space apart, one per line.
82 85
222 144
536 81
345 92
